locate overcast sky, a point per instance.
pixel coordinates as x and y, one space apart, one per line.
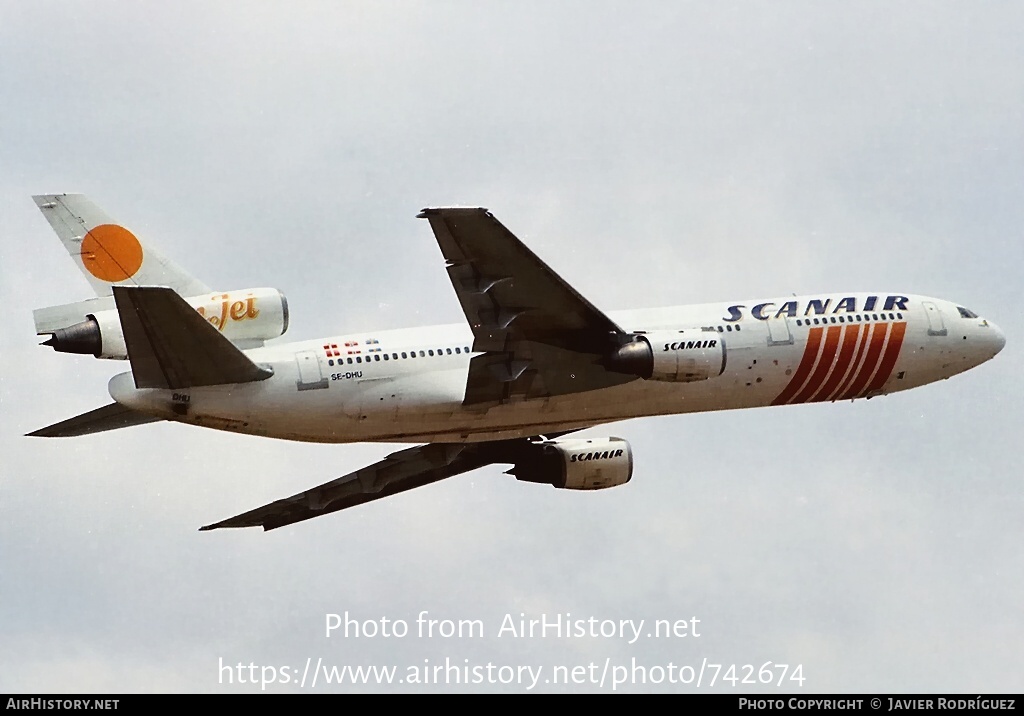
652 154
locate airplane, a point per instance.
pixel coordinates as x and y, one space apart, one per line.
534 362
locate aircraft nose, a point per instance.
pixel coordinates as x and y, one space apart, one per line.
996 339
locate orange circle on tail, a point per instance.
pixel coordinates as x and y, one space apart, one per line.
111 253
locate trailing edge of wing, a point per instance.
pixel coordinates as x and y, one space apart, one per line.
398 472
172 346
109 417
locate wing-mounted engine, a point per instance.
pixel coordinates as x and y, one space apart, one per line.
247 318
682 356
576 464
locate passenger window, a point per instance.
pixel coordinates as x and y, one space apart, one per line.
449 351
376 356
359 359
457 350
431 353
422 354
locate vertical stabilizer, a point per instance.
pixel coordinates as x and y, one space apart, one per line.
107 253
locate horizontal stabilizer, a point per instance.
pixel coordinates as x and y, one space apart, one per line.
171 346
109 417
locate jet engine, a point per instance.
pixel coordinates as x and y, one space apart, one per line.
576 464
246 317
682 356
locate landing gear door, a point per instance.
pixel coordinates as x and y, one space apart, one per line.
935 325
778 332
310 375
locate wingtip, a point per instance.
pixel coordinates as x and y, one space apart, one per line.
437 211
222 525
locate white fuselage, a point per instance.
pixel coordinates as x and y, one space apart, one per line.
408 385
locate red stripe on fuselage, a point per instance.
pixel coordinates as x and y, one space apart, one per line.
878 333
804 369
892 352
850 335
858 359
825 363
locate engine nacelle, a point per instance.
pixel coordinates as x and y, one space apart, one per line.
248 315
682 356
576 464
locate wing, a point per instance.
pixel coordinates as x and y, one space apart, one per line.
396 473
539 337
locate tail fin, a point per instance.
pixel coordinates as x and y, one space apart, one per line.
107 253
172 346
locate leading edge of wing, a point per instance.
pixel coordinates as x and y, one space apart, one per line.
398 472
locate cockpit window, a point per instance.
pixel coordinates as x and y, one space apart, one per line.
964 313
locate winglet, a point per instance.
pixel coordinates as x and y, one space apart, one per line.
172 346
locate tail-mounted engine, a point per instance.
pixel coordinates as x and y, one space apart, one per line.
683 356
576 464
246 317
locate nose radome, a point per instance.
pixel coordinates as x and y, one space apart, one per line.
998 339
